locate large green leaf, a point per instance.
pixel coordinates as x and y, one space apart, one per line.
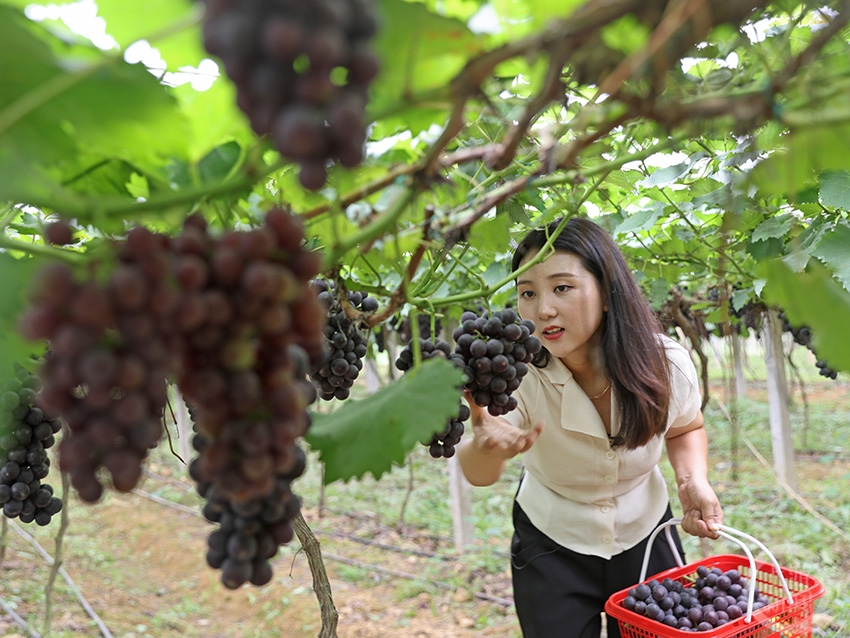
807 152
813 299
833 249
835 189
51 108
520 17
419 50
129 22
16 275
372 434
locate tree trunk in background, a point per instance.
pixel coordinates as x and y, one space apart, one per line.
777 396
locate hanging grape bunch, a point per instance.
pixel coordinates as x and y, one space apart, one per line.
442 444
346 340
703 601
802 335
496 351
110 350
246 300
24 462
302 71
250 531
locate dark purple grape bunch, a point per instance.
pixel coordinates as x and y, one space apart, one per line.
249 531
302 71
346 339
496 351
24 462
442 444
802 335
708 599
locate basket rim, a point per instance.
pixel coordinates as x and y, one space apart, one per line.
814 589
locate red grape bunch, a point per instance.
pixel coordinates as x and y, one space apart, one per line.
703 601
302 71
496 351
24 462
110 351
442 444
245 300
250 530
346 340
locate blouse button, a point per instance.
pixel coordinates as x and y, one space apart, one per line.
607 539
610 455
609 478
606 509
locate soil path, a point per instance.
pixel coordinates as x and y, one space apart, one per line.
141 567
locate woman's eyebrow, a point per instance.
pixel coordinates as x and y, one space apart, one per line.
555 275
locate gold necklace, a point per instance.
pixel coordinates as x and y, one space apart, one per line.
601 394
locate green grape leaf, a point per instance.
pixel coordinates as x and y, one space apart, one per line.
372 434
773 227
832 251
16 275
813 298
835 189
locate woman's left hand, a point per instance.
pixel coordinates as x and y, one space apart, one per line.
701 511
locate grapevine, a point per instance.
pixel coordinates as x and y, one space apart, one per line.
496 351
345 339
302 71
24 462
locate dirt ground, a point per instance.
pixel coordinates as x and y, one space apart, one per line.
140 565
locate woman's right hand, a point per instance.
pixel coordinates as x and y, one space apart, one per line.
495 436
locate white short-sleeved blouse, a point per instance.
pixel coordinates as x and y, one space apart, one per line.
575 488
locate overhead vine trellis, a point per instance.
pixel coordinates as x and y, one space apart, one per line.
557 109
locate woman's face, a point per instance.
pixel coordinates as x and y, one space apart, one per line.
563 300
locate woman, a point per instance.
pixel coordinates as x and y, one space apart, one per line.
607 390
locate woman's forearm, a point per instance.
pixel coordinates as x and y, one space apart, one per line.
688 455
480 467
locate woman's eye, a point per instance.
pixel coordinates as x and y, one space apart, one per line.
526 294
562 288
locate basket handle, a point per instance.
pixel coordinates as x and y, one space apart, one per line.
727 533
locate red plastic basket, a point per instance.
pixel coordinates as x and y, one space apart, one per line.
780 618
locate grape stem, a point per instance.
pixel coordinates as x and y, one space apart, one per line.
41 250
321 584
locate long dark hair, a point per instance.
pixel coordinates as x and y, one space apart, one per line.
634 357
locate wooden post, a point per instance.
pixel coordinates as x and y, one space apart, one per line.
461 503
777 396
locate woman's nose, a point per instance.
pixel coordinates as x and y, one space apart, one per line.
545 307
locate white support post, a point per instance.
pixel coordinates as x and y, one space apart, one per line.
777 396
461 504
184 426
740 385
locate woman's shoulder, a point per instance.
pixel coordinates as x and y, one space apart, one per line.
679 357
